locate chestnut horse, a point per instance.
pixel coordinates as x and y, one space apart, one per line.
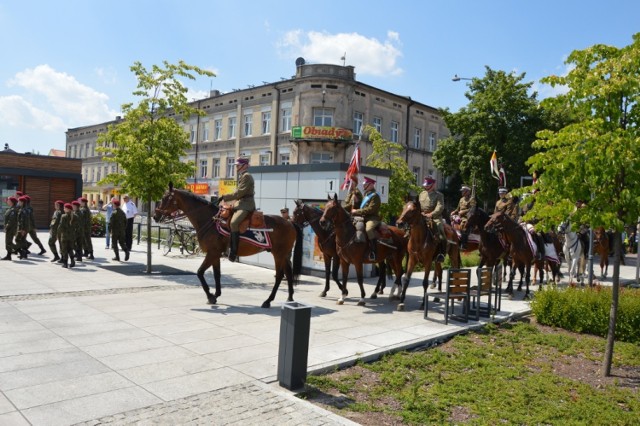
282 234
519 249
422 246
601 247
356 253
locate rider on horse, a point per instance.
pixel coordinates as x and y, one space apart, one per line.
506 204
369 210
538 236
354 198
244 203
466 203
432 205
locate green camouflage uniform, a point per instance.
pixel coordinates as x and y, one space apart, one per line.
66 234
10 228
87 245
53 231
78 230
23 229
117 228
32 227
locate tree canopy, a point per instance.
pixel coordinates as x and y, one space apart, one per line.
502 115
388 156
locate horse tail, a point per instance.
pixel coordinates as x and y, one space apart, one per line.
297 255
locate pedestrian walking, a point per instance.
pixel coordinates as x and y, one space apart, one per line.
87 245
58 207
78 225
131 211
10 226
22 230
32 226
67 237
117 227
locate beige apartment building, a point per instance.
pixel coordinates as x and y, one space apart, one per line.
314 117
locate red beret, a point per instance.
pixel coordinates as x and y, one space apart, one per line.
13 199
116 202
28 198
75 203
60 202
368 180
23 198
84 200
19 194
428 180
242 161
68 206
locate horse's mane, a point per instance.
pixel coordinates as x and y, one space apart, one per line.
197 198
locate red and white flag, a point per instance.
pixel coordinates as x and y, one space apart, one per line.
503 176
493 163
354 168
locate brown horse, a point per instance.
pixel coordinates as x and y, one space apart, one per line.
422 246
521 254
601 247
356 253
282 234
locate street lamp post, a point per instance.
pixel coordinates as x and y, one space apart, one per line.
456 78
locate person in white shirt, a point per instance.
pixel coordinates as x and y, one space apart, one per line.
130 210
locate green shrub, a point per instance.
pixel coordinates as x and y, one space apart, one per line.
98 225
587 311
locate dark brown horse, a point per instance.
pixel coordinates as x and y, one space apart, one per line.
422 246
356 253
492 250
200 213
519 249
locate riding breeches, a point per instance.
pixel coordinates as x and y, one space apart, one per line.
237 218
371 228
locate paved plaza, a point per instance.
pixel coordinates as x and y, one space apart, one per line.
106 343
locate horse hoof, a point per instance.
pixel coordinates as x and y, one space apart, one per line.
374 296
361 303
340 302
436 300
510 296
381 292
212 300
323 294
266 304
432 286
401 306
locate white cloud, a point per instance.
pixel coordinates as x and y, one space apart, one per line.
548 91
53 101
369 55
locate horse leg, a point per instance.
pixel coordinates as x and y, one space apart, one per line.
382 277
209 260
512 274
345 275
283 267
360 275
327 275
335 268
411 264
385 270
527 280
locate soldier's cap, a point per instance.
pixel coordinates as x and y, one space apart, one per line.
13 199
19 194
23 199
465 188
82 199
68 206
502 190
75 203
242 161
116 202
368 180
27 197
285 210
60 202
428 181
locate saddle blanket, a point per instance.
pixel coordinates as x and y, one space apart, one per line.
473 238
259 238
549 249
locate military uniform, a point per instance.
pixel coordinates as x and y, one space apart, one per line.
67 236
506 205
10 228
354 198
117 227
244 204
432 203
87 223
22 230
369 210
464 207
32 226
79 227
53 231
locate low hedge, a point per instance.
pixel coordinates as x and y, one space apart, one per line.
587 311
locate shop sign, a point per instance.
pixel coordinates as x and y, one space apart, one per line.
199 188
227 186
321 132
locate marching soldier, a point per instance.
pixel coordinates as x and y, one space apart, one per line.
10 226
32 226
22 229
78 229
432 205
53 228
506 204
369 210
117 227
87 245
67 236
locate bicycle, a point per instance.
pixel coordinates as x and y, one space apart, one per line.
185 236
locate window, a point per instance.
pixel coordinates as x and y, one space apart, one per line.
321 157
205 131
266 122
432 141
231 167
215 167
248 124
217 129
204 165
80 152
192 132
284 158
377 124
393 137
417 138
286 119
416 173
232 127
87 150
264 159
358 120
323 117
98 174
113 169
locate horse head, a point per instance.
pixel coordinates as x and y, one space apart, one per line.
476 218
299 216
168 205
564 227
332 212
496 222
411 214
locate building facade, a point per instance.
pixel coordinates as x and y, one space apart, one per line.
315 117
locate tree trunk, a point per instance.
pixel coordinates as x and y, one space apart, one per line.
613 313
149 236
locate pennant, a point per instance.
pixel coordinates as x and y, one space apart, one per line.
354 169
493 163
503 176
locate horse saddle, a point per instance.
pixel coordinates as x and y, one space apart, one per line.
254 220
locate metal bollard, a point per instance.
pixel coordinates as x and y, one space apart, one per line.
294 345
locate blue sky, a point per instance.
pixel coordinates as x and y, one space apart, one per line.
66 63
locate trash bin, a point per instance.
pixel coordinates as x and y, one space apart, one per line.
294 345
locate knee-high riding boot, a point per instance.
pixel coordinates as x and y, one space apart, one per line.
233 252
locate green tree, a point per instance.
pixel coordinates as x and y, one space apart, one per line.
388 156
597 158
149 143
501 115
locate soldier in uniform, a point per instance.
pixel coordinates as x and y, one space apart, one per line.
285 213
506 204
432 205
23 228
537 235
244 203
369 210
465 204
79 227
10 226
67 236
53 228
32 226
354 197
87 245
118 228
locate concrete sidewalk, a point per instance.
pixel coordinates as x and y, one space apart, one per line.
105 343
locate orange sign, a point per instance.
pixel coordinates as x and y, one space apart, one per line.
199 188
321 132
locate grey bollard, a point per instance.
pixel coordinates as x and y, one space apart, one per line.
294 345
